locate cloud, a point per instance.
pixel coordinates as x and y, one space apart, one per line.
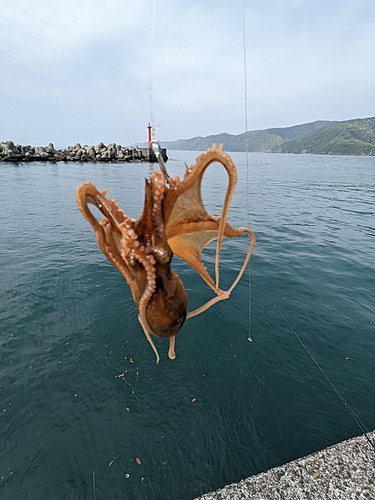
80 71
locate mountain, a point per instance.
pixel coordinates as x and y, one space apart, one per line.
350 137
257 140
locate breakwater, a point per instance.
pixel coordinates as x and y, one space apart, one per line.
10 152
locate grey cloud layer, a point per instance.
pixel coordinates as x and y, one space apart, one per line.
79 71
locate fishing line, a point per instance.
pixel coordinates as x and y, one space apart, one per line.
150 70
247 160
154 142
351 412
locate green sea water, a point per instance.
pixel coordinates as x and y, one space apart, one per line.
70 428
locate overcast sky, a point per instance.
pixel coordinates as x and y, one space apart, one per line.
79 70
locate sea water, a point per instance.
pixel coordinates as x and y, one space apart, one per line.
85 411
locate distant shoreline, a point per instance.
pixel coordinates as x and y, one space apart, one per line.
350 137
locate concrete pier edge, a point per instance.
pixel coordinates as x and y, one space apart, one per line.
343 471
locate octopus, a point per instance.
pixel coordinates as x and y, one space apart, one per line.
174 221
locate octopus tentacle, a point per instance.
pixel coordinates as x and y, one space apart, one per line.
146 329
148 263
223 295
190 228
185 213
172 342
248 255
104 231
157 212
144 254
192 175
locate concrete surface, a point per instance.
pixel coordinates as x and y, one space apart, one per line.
343 471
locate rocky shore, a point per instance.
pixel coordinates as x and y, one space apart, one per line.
10 152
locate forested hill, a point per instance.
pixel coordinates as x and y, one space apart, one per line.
257 140
351 137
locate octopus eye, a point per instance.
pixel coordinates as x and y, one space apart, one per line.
132 261
162 253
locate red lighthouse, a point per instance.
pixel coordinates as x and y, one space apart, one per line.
149 135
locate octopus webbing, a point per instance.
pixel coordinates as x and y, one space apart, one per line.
174 221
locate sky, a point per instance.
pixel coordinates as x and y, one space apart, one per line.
99 70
